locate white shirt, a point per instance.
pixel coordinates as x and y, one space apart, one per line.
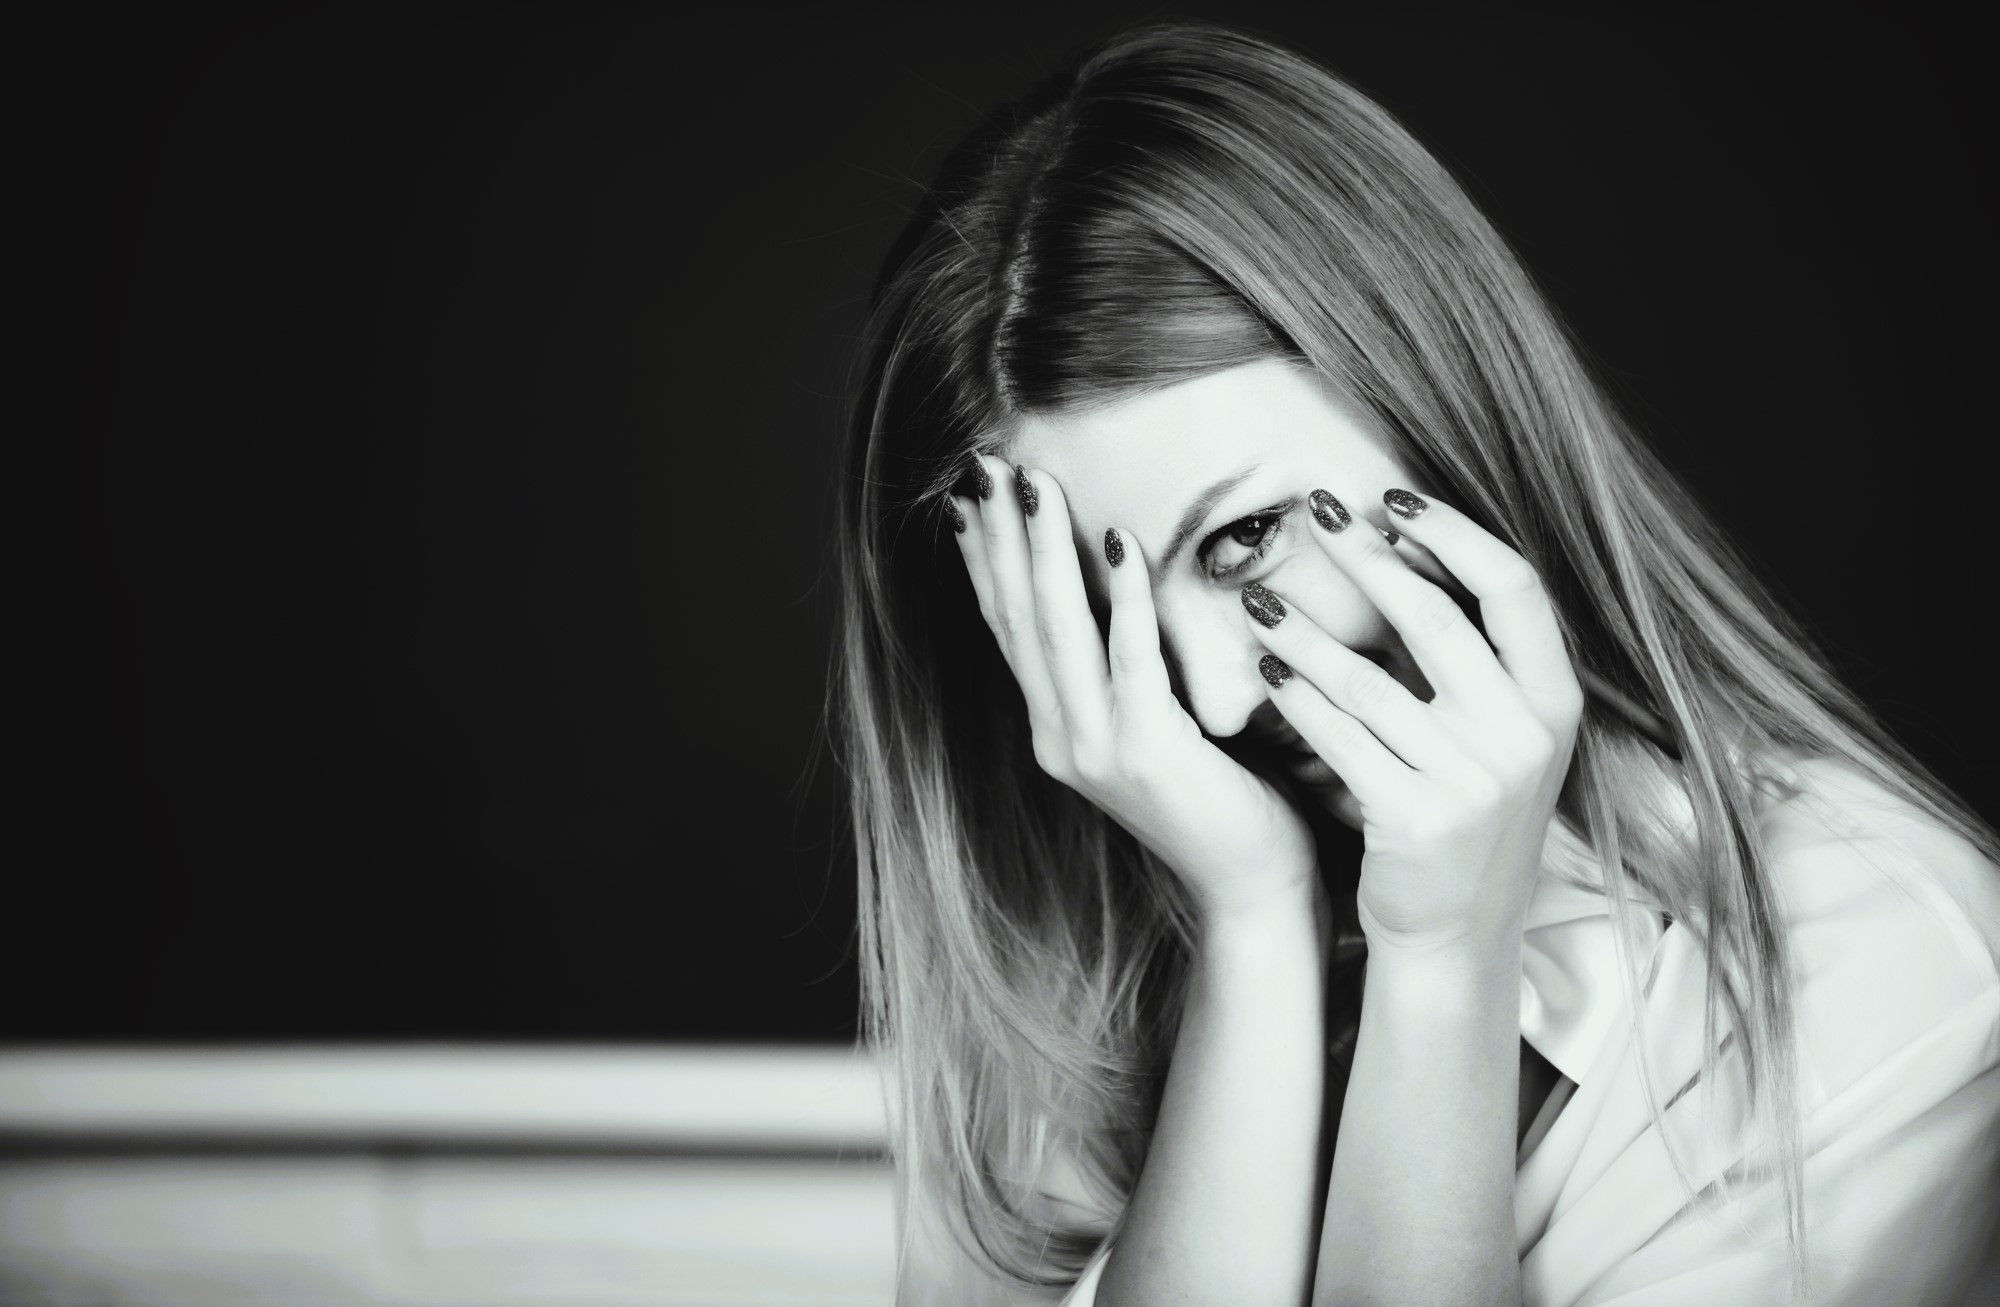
1894 932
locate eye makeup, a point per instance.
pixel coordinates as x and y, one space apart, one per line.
1273 519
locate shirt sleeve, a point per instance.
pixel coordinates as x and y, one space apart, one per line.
1897 1010
1899 1200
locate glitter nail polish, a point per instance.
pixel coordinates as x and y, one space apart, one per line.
957 515
1403 504
975 482
1114 547
1031 498
1261 604
1274 669
1329 512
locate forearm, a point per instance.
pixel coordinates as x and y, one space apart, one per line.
1226 1209
1420 1205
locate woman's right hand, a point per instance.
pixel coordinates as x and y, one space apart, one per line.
1105 720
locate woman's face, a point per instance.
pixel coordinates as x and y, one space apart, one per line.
1211 477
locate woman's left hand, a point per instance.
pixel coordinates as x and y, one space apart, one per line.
1454 795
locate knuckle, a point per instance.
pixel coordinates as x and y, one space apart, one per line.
1367 687
1145 736
1513 775
1480 793
1515 765
1128 664
1568 704
1436 611
1347 735
1536 744
1094 761
1372 550
1046 632
1431 823
1517 576
1054 757
1013 618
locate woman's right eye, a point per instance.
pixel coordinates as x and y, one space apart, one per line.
1256 533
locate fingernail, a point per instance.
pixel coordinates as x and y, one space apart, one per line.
1274 670
976 482
1031 499
1114 547
1266 607
1403 504
957 515
1329 512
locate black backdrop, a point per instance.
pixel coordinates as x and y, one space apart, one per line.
444 620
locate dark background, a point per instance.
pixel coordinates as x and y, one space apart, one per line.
442 611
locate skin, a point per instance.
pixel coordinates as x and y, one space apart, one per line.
1140 463
1449 764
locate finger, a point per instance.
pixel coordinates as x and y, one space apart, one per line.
1004 542
1452 653
1374 775
1072 648
1513 606
1352 683
964 512
1138 673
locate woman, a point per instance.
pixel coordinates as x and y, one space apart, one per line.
1312 605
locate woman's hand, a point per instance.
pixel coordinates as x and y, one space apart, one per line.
1454 795
1105 720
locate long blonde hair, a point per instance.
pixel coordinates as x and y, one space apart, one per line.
1182 199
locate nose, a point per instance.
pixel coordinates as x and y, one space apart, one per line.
1212 665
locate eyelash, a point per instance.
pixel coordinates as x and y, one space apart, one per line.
1276 518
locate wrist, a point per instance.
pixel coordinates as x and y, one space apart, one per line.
1304 899
1302 916
1474 948
1446 976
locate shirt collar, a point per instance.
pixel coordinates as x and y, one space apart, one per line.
1571 996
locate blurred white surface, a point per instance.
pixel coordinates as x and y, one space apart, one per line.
765 1097
732 1218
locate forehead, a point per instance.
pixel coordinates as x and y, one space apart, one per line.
1138 462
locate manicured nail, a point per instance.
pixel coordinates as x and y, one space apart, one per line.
1274 670
957 515
1031 499
1403 504
1329 512
1114 547
1266 607
976 482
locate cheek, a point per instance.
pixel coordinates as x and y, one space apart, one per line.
1212 655
1335 603
1211 659
1340 608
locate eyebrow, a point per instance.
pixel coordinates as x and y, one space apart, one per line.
1198 512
